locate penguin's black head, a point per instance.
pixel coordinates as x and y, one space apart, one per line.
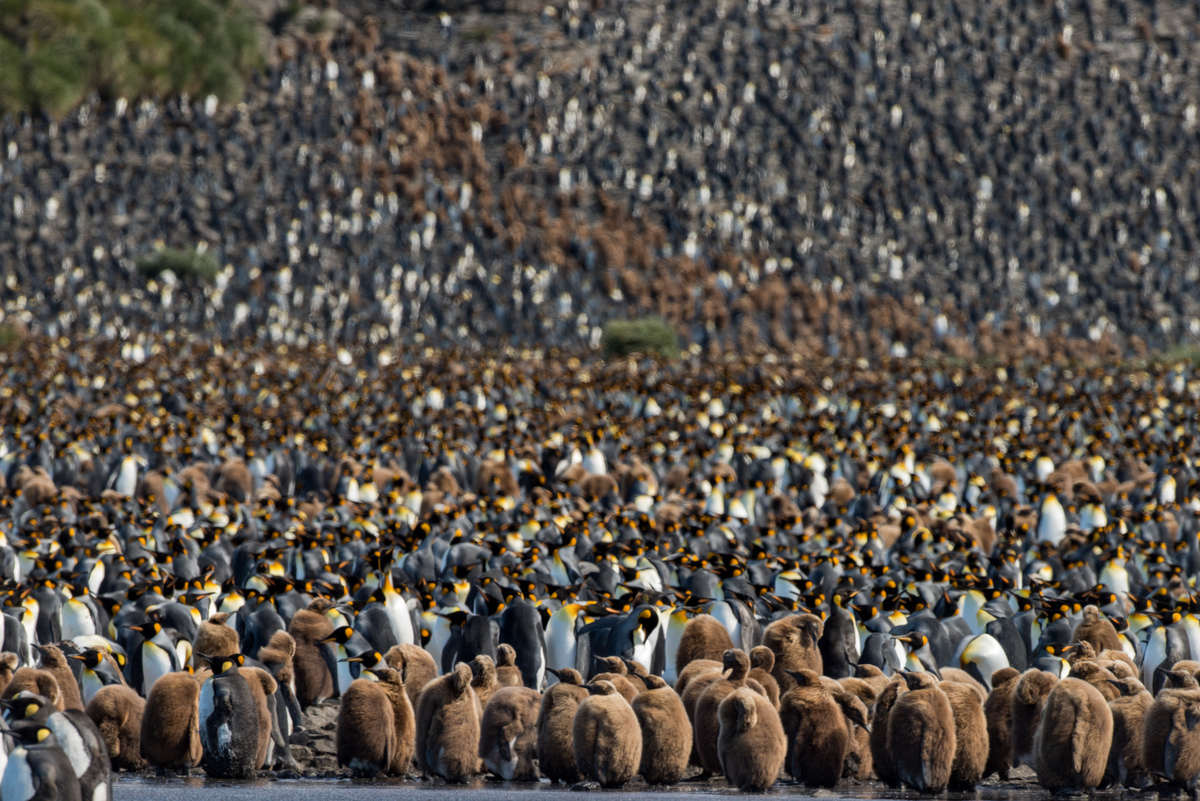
33 734
340 635
222 664
25 706
148 631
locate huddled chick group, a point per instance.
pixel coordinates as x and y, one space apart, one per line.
592 571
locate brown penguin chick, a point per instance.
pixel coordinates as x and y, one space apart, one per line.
366 732
1028 699
507 672
1171 732
606 737
816 736
635 668
404 720
706 725
508 733
54 662
751 741
1071 746
483 679
703 638
1125 755
37 681
214 638
1108 655
873 676
448 727
998 711
960 676
8 666
1079 652
1097 630
556 751
170 734
666 732
1098 677
697 667
414 663
314 682
921 735
614 670
262 686
794 641
885 768
858 763
970 735
762 662
117 712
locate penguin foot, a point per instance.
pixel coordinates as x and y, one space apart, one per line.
582 787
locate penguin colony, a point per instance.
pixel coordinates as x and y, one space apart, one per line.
597 572
976 178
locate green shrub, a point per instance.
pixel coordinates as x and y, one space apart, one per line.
56 52
651 335
9 336
478 35
185 264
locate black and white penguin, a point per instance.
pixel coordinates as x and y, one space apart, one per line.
521 627
152 658
78 737
38 769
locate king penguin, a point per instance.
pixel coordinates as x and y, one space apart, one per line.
228 721
38 769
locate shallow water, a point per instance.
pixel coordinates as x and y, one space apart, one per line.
345 789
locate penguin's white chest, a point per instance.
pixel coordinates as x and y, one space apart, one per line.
17 784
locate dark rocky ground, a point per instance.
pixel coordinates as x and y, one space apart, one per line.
850 178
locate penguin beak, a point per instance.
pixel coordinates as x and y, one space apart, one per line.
351 659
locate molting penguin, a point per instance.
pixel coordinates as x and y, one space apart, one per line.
666 732
556 715
448 727
921 735
170 735
751 741
1073 740
366 732
508 734
606 737
229 726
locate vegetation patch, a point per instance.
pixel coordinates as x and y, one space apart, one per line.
650 335
185 264
54 53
